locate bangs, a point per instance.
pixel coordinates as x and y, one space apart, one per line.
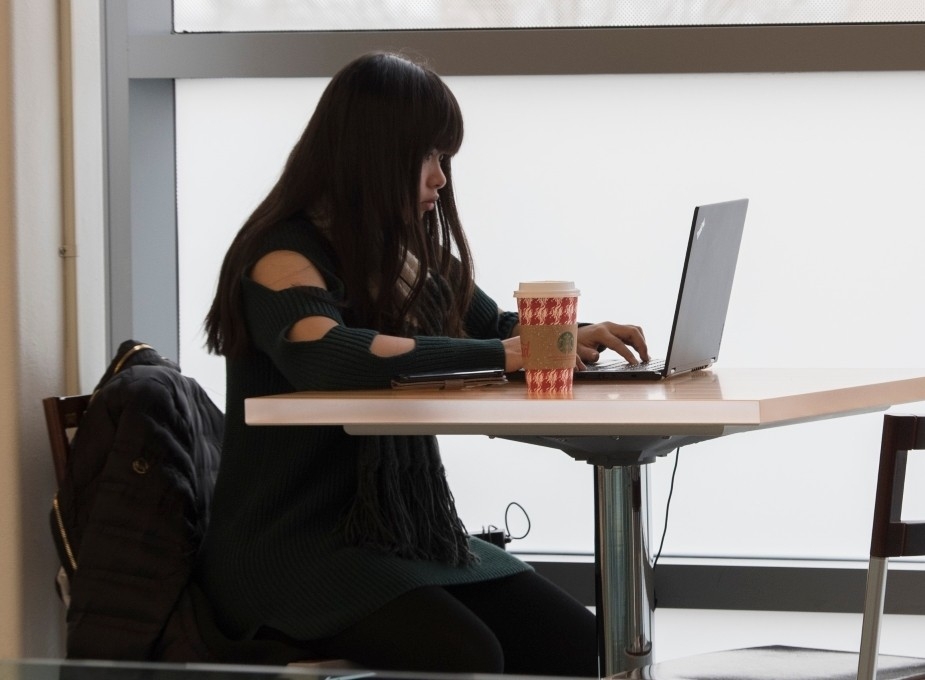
442 124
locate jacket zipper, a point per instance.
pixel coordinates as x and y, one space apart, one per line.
63 533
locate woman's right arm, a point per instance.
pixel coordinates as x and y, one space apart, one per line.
317 351
283 269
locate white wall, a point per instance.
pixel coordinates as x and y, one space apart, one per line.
31 357
88 192
9 496
594 178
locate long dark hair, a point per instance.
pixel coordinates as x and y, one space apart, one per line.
356 171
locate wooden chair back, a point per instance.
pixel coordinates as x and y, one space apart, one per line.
62 417
891 536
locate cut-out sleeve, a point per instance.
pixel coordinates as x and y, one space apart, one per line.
342 358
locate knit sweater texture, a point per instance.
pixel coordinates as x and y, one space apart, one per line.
275 553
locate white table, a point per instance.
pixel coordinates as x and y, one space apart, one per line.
619 427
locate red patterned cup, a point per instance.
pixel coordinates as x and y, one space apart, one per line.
548 334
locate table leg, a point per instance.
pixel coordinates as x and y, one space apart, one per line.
624 565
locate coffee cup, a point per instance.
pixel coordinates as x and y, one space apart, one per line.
548 334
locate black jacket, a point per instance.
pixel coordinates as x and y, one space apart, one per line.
132 512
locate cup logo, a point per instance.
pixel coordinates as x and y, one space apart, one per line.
566 342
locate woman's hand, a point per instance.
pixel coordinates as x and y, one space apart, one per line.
513 359
594 339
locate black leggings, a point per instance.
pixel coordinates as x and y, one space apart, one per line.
521 624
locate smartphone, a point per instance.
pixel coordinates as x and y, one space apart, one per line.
450 380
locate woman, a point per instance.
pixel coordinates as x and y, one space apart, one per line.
354 269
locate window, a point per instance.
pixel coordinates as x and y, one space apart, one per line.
604 171
353 15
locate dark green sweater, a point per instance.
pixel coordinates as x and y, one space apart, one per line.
275 553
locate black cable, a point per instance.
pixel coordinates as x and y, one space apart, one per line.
677 456
507 527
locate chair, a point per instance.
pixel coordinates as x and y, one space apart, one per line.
62 417
890 537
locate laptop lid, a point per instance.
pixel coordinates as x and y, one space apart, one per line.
706 286
703 297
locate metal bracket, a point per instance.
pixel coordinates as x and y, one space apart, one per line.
614 450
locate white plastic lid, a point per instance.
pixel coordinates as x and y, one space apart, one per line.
538 289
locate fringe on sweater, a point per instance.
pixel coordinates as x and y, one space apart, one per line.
404 505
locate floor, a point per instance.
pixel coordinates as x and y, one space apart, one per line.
684 632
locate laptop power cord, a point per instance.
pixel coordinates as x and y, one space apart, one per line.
496 536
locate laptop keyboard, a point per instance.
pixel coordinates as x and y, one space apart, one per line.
621 366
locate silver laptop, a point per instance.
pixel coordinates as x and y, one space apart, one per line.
703 299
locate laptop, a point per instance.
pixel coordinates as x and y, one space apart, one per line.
703 299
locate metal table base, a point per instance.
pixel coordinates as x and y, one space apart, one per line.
623 561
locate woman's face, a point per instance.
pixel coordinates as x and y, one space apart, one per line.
432 180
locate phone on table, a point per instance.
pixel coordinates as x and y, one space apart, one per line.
450 380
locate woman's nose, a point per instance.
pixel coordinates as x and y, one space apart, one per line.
437 178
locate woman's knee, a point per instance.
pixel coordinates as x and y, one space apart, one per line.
459 651
423 630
